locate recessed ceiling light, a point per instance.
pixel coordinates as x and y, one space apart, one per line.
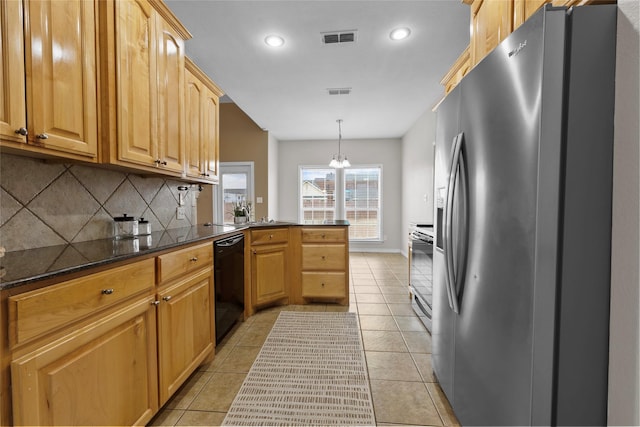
400 33
274 41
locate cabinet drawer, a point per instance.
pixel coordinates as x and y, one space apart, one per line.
324 234
323 257
323 285
34 313
269 235
177 263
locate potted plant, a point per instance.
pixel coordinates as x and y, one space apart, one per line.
240 213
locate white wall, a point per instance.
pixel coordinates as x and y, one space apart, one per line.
624 348
417 173
386 152
272 173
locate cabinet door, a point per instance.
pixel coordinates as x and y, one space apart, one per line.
269 279
185 329
210 136
492 22
60 53
102 374
523 9
12 89
194 143
136 81
170 98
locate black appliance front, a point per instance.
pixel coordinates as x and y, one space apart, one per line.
229 283
420 275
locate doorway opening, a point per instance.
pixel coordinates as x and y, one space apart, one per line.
235 189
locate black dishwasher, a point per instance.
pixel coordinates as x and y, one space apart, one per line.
228 264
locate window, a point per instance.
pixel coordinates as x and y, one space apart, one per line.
317 194
362 202
356 197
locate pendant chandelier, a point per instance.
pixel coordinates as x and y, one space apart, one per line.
339 161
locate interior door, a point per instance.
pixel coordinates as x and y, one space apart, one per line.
236 186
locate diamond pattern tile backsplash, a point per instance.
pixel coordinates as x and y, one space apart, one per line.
46 204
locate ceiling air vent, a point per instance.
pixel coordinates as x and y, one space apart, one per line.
333 37
339 91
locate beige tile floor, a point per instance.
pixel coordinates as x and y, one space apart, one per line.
397 349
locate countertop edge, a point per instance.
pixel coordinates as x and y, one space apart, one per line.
90 264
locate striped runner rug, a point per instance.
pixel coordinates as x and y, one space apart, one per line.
311 370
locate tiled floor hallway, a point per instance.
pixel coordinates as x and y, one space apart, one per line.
397 349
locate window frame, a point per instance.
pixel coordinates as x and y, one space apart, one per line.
301 210
380 237
340 209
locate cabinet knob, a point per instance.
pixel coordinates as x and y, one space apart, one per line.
270 236
161 162
107 291
324 257
194 259
42 136
155 303
22 131
322 284
323 236
167 298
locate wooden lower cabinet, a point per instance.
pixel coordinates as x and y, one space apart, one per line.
110 347
185 329
323 284
269 274
323 256
102 374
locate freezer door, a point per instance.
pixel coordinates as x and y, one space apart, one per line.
500 117
443 319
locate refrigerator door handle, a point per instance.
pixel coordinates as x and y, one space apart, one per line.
448 224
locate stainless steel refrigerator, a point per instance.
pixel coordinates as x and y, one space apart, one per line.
523 182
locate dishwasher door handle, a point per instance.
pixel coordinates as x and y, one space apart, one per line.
229 242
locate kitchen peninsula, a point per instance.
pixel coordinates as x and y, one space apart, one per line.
130 322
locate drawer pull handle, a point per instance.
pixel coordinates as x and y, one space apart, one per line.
107 291
270 236
167 298
194 259
155 303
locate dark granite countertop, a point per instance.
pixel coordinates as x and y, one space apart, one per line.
26 266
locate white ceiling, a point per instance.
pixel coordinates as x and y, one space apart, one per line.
284 89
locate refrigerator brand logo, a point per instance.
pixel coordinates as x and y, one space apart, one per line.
518 49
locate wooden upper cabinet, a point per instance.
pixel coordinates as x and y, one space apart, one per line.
142 65
13 116
170 97
491 22
459 69
523 9
135 44
59 73
193 96
210 138
202 113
